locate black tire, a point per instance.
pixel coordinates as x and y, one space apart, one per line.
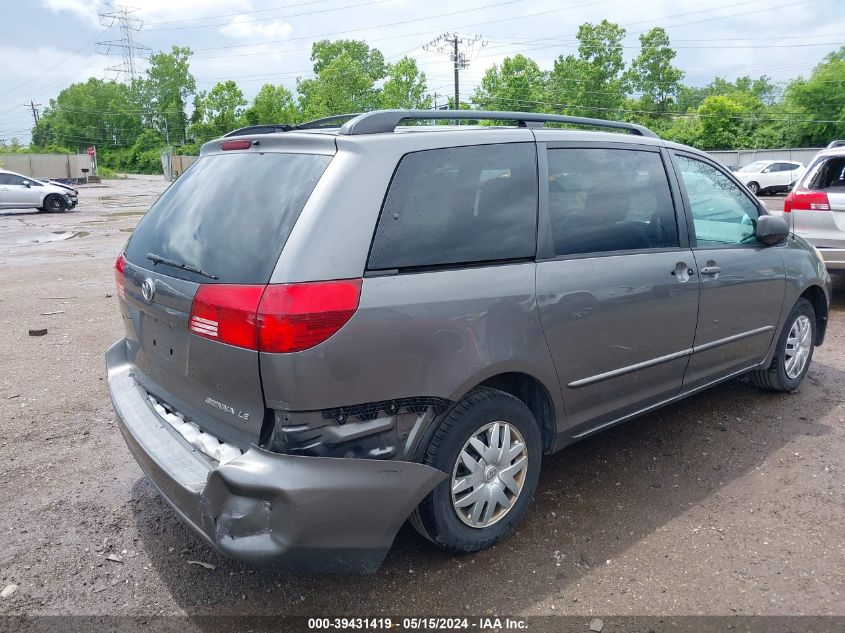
436 518
54 204
754 188
775 377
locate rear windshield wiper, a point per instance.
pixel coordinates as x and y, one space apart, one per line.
158 259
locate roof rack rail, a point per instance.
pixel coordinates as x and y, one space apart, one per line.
838 143
387 120
271 128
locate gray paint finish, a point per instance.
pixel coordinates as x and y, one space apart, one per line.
604 314
437 333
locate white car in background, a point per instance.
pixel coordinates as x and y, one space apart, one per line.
770 176
22 192
815 208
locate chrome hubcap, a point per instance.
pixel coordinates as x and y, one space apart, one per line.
489 474
798 346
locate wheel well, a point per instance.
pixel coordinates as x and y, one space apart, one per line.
534 395
817 298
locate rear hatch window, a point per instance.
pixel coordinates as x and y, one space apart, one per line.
229 215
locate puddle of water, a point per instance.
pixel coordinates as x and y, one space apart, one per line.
55 236
126 230
123 214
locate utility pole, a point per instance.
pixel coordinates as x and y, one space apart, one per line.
34 107
129 47
450 44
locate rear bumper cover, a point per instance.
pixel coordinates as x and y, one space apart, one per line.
834 258
318 514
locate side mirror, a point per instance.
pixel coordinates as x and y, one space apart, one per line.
27 184
770 230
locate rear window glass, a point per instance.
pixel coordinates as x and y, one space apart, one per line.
830 174
459 205
606 200
229 215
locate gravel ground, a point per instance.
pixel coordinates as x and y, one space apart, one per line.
731 502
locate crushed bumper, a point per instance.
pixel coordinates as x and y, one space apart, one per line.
318 514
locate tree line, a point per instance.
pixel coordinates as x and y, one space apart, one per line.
132 122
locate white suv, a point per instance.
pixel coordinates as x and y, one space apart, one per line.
21 192
769 176
815 208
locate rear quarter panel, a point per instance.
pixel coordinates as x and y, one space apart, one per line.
422 334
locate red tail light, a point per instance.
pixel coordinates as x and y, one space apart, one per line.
294 317
806 200
227 314
275 318
119 271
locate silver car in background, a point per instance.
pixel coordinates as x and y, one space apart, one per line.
22 192
815 208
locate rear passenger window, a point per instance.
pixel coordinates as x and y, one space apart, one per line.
605 200
459 205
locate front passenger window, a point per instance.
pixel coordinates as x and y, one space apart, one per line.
722 214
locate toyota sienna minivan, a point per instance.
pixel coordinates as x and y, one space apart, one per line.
337 327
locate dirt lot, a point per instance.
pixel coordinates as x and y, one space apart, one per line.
731 502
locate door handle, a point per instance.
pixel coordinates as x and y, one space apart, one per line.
683 272
711 270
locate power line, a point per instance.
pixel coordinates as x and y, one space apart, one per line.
129 47
34 107
450 43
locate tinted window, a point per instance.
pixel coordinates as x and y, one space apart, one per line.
229 215
4 179
831 173
12 179
459 205
603 200
721 212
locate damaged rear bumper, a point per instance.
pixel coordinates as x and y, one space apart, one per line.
305 513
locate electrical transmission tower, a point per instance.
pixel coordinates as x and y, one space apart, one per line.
130 48
450 44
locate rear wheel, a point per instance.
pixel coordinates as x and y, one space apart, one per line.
793 353
754 188
54 204
490 447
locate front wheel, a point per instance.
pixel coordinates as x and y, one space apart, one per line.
490 447
754 188
54 204
793 353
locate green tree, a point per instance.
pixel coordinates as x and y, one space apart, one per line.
217 112
346 74
272 104
165 92
405 87
819 102
518 84
591 84
96 112
652 72
723 122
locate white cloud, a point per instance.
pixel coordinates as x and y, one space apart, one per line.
85 9
242 27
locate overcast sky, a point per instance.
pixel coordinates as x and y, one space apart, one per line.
48 44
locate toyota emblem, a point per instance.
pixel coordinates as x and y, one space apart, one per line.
148 289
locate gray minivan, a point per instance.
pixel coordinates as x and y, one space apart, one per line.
336 327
